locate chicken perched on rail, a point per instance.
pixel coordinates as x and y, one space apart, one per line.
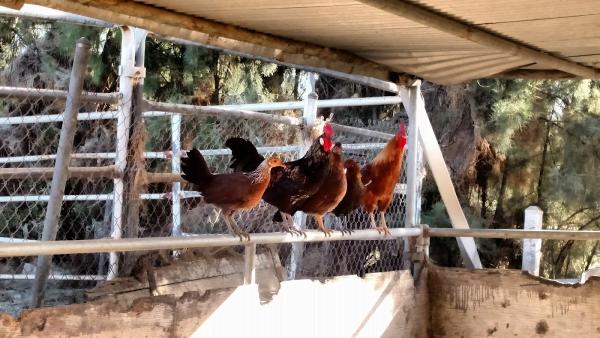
380 177
229 192
330 193
296 181
355 191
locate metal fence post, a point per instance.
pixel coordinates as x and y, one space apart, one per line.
309 116
63 157
176 169
411 156
532 248
249 263
123 122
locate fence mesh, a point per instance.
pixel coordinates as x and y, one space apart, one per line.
29 136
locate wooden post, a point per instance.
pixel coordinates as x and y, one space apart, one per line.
532 248
61 166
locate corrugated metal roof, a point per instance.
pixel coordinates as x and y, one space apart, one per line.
567 29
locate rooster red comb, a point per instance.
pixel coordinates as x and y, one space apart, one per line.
402 130
328 129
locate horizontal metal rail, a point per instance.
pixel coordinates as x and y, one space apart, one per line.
167 154
198 241
55 276
36 158
46 198
334 103
92 197
202 241
33 93
155 109
44 13
33 119
516 234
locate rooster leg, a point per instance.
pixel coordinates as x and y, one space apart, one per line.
234 228
384 227
373 223
319 219
339 224
288 226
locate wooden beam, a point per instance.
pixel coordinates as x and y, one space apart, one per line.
220 35
444 23
534 74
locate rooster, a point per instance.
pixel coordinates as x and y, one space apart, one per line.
380 177
355 191
229 192
295 182
330 193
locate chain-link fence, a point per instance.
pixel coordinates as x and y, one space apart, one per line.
124 181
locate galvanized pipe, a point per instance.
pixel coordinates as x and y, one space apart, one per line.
61 166
55 94
195 241
516 234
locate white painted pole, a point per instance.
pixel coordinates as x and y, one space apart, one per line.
123 123
441 175
532 248
249 263
61 166
176 169
409 96
309 116
409 100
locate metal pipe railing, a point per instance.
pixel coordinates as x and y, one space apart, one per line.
196 241
33 248
55 94
576 235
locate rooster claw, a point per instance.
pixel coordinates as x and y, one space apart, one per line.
383 231
346 231
242 235
327 232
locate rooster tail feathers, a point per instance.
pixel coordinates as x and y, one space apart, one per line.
244 156
194 168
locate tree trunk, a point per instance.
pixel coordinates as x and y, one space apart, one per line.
499 213
540 200
592 256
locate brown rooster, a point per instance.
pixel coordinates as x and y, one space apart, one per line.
355 191
380 177
293 184
330 193
229 192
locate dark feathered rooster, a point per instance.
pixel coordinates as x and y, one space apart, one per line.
329 194
229 192
355 190
380 177
296 181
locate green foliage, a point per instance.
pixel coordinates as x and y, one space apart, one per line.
522 118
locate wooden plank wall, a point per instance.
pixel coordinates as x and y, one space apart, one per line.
510 303
380 305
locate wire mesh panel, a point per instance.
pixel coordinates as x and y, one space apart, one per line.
125 180
209 135
30 128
